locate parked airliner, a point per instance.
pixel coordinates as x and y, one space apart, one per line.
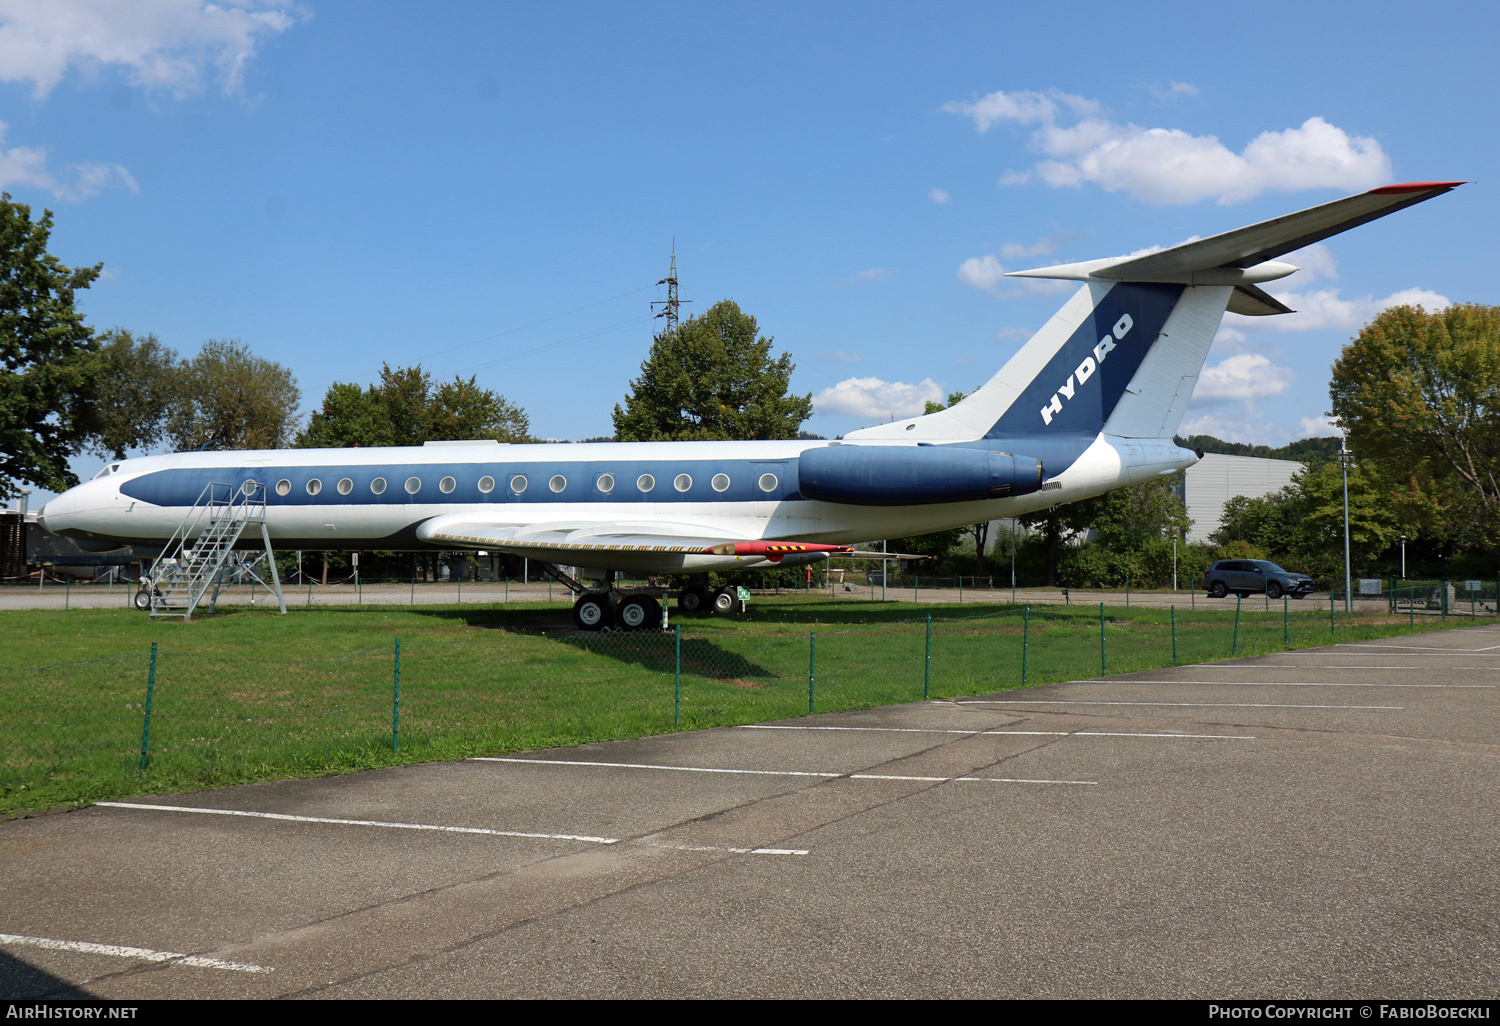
1089 404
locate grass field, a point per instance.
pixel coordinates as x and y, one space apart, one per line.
251 695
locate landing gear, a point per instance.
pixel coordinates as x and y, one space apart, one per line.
143 600
640 613
692 598
592 612
726 601
598 610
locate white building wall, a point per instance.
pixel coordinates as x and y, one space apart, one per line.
1215 479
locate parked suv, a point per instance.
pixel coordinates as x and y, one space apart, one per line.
1250 576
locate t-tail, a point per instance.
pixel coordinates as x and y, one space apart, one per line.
1093 400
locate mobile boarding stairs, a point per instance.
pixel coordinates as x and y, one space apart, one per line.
200 558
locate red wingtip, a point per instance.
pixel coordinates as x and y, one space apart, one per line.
1414 187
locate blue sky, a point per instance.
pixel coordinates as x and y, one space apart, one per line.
494 189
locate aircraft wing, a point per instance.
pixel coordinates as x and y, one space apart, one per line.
580 539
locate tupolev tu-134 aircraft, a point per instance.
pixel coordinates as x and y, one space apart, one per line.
1089 404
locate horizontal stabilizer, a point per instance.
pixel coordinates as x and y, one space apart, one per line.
1240 257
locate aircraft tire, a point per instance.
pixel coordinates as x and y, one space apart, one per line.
725 602
692 599
143 600
592 613
640 613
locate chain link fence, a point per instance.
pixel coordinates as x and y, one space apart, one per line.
161 720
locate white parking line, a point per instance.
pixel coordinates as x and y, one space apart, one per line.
362 822
1293 666
1273 683
1002 730
444 829
794 773
144 954
1422 648
1191 705
652 766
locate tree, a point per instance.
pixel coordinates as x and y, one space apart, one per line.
405 409
231 399
48 371
712 378
143 384
1419 394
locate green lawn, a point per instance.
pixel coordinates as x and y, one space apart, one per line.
250 695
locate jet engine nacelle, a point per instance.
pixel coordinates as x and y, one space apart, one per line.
902 475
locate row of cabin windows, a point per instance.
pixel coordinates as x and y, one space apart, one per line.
605 483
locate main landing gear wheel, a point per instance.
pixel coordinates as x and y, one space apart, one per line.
1219 590
692 598
592 612
640 613
725 602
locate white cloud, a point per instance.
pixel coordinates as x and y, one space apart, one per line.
875 274
874 399
1025 107
981 272
1319 427
1326 309
1172 90
1012 332
170 44
26 167
986 274
1167 165
1245 377
939 196
841 357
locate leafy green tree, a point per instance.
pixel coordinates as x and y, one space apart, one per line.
48 370
404 408
232 399
712 379
1419 393
143 382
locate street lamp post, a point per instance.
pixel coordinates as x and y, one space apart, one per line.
1348 575
1403 557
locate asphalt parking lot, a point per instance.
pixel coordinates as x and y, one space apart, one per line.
1320 823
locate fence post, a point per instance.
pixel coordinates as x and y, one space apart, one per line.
413 590
927 662
396 704
309 593
1025 640
67 592
1127 589
146 724
1444 586
1286 613
916 589
677 687
1411 605
1332 623
1103 662
1235 647
1174 635
960 587
812 662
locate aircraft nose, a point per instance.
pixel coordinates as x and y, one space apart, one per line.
68 509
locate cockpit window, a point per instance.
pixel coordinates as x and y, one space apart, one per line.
107 471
